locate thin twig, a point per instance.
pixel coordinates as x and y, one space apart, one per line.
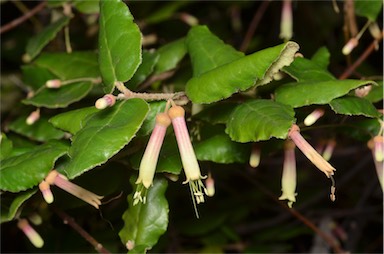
332 243
254 23
71 222
361 59
22 19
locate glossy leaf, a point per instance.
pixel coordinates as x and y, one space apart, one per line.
221 149
149 123
26 170
307 93
10 204
145 69
376 94
145 223
321 57
119 43
260 120
369 9
35 77
305 70
105 134
170 55
252 70
354 106
41 130
78 64
207 51
5 146
38 42
61 97
72 121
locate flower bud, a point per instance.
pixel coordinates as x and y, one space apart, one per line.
33 117
351 44
313 117
363 91
107 101
254 159
32 235
53 83
46 191
286 20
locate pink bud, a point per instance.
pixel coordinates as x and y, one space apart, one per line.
328 151
363 91
254 159
379 165
286 20
351 44
210 183
46 191
313 117
33 117
107 101
53 83
32 235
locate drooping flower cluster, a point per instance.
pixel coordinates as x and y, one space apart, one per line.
174 115
55 178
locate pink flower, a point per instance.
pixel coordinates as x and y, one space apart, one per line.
376 146
288 180
310 152
188 157
54 178
33 117
32 235
286 20
150 157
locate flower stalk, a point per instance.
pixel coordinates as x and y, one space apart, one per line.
310 152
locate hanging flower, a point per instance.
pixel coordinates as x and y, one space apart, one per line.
376 145
286 21
210 183
254 159
150 157
310 152
188 157
328 151
313 117
33 117
288 180
54 178
32 235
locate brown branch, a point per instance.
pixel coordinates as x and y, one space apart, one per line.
331 242
71 222
254 23
361 59
22 19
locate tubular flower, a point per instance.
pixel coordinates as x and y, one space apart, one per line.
254 159
32 235
310 152
288 180
286 20
150 157
313 117
379 164
188 157
54 178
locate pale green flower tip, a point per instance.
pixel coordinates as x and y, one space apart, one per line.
32 235
351 44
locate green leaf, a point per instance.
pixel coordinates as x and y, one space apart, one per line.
307 93
87 6
217 113
253 70
351 105
321 57
146 68
38 42
170 55
207 51
305 70
260 120
10 204
5 146
26 170
61 97
74 120
149 123
35 77
105 134
221 149
145 223
119 43
369 9
376 94
78 64
41 130
165 12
